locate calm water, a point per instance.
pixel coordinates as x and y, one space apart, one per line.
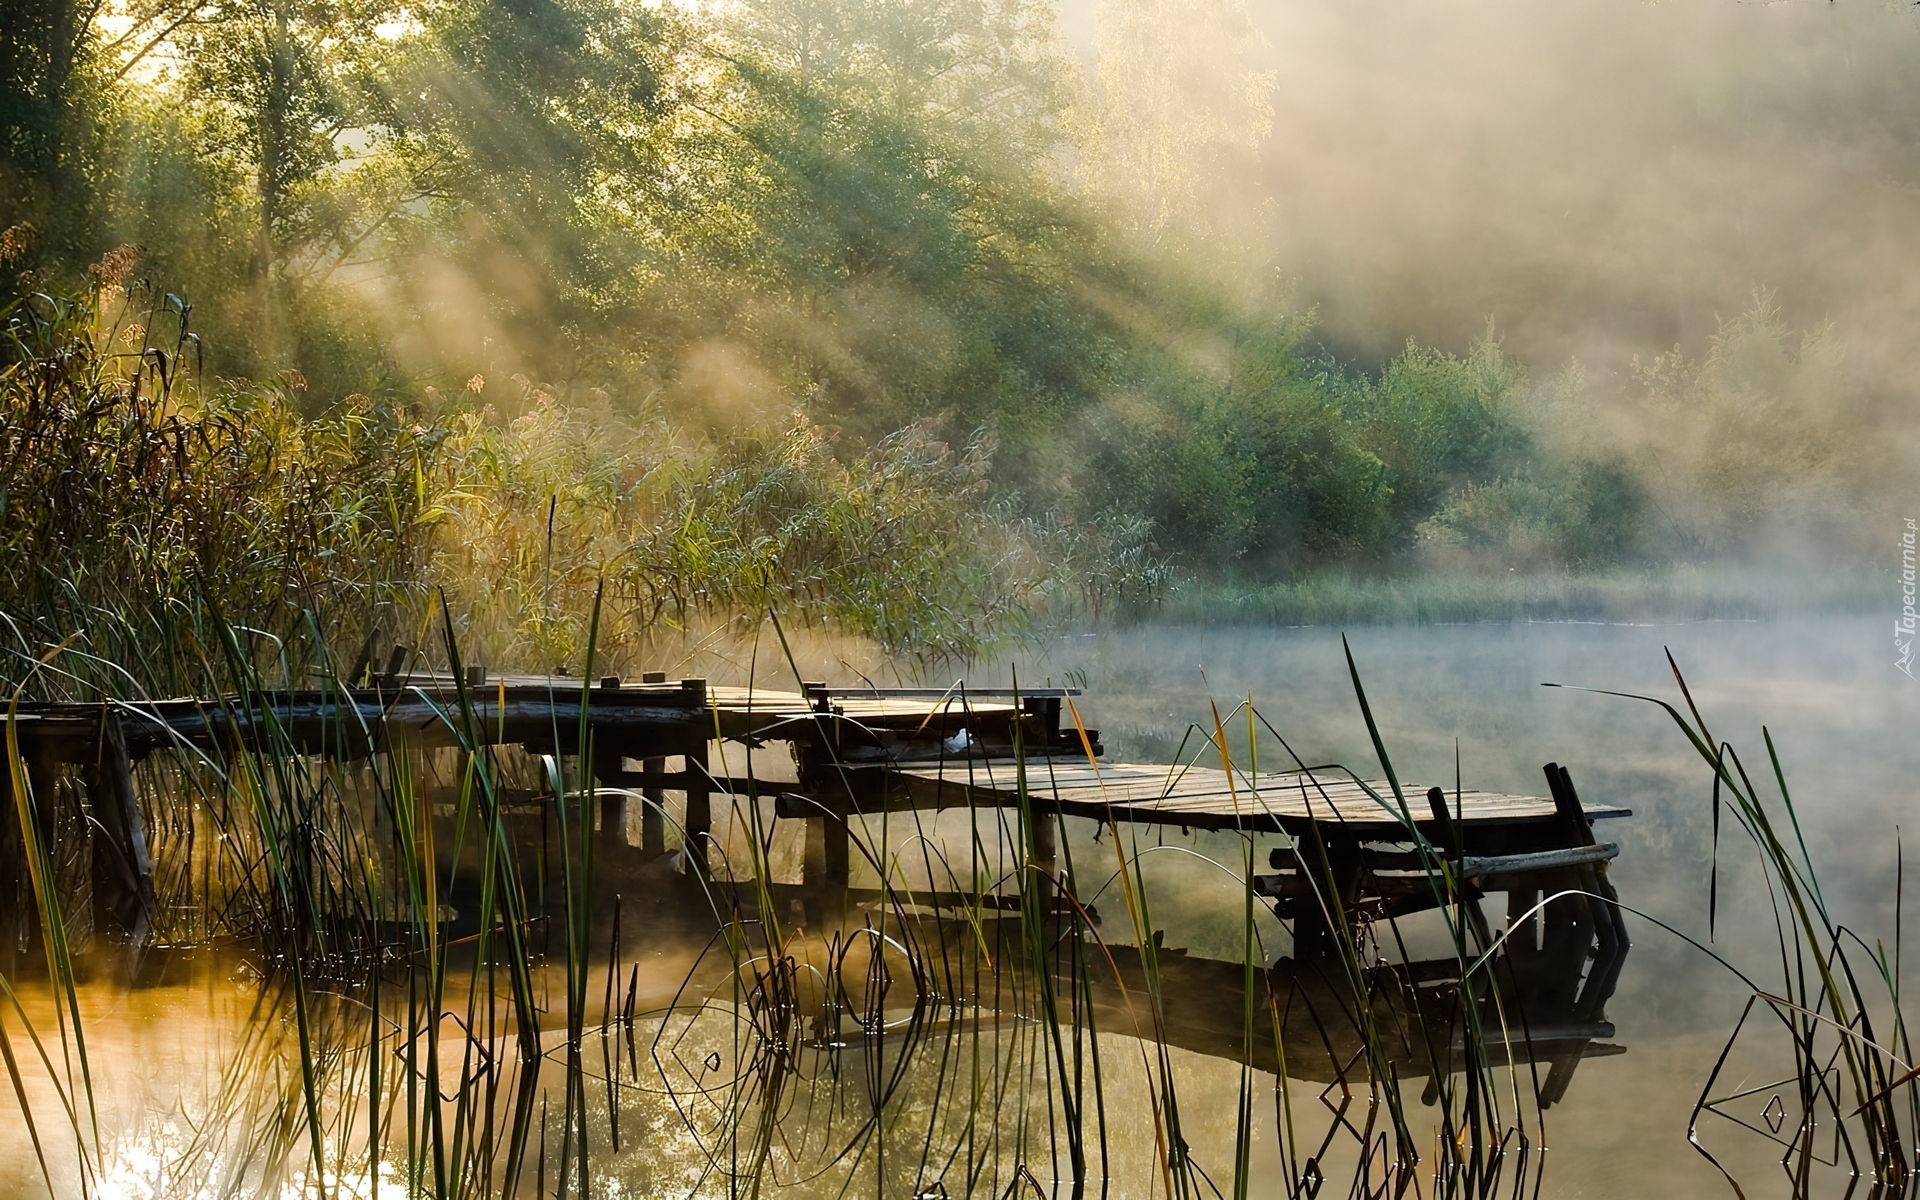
1842 716
1844 720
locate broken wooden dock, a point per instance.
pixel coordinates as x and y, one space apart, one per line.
860 752
1346 852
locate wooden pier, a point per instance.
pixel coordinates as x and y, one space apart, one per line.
859 752
1350 852
633 729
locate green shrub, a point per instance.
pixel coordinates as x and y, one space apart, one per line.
1440 423
1585 516
134 491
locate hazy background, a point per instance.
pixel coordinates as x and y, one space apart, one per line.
1601 179
935 322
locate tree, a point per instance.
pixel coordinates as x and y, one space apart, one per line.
55 65
285 82
1171 101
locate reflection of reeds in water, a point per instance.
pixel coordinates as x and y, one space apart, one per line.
451 1001
1840 1102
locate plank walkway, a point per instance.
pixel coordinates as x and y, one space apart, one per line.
624 714
1205 798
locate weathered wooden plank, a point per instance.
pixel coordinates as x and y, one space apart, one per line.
1205 797
530 709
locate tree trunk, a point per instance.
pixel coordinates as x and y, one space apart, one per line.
273 118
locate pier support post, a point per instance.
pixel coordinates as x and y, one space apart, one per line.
699 819
653 817
1046 856
825 866
1314 936
43 784
15 902
653 820
19 908
1609 930
122 868
609 771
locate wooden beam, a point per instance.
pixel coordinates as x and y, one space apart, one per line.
698 824
122 867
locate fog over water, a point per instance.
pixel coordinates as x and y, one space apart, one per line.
1844 721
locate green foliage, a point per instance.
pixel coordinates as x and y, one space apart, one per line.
132 490
866 213
1255 466
1439 422
1590 516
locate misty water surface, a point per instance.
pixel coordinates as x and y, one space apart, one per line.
1840 713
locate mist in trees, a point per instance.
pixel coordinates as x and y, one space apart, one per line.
874 216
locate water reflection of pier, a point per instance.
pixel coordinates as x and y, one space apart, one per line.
1527 1008
1528 1005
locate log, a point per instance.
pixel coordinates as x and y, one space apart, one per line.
1478 867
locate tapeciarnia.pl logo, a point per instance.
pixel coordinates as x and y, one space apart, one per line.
1903 629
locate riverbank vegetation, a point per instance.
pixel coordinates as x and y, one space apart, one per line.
904 320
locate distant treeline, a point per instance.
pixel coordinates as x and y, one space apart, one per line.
645 269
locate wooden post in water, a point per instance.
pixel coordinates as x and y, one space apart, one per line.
609 769
43 780
15 902
699 818
1046 856
653 821
122 868
826 864
43 784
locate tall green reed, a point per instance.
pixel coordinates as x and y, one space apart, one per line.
999 1038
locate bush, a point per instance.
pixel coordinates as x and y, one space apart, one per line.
1439 424
134 494
128 482
1588 516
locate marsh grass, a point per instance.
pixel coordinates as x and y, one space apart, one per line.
997 1045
